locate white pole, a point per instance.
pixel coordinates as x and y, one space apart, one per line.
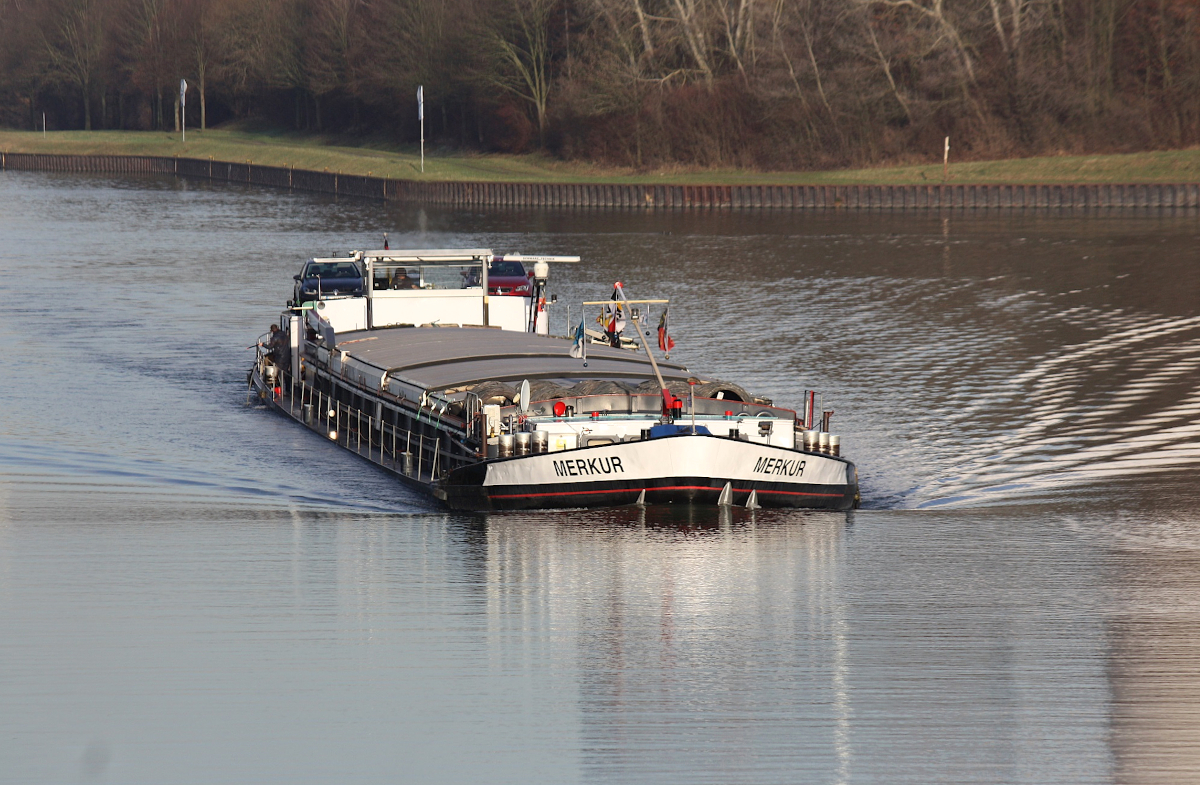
421 116
946 161
692 390
43 125
183 108
645 344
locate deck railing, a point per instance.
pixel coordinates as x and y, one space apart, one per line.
386 444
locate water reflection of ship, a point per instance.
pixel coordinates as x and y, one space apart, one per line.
1154 669
662 622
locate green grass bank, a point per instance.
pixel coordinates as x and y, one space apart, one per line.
320 154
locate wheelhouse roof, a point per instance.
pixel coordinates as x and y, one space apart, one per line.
440 358
455 257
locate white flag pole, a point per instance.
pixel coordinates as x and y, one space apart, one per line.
421 117
183 108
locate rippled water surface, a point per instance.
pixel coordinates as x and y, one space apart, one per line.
193 590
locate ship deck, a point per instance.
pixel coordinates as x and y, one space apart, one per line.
441 358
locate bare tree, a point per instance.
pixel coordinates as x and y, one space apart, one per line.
885 65
330 50
736 82
939 18
147 30
260 49
23 67
421 42
73 39
691 23
199 29
521 50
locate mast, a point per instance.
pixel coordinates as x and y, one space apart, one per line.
642 340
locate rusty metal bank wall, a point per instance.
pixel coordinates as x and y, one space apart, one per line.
641 197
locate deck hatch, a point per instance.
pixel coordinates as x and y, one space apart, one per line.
440 357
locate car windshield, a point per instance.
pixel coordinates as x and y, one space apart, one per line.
507 269
331 270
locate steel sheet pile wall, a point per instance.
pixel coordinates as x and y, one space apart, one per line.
132 164
672 197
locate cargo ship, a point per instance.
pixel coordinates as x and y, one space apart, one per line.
438 366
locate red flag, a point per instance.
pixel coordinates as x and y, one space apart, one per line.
665 342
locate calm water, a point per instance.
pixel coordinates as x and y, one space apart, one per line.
193 590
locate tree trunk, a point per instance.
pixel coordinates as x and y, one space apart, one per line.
1102 33
637 138
87 108
887 68
694 39
647 43
1164 57
203 105
177 117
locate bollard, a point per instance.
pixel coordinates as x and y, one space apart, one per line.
810 441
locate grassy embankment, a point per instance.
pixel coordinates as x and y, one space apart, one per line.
309 152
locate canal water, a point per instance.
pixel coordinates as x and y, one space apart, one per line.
193 590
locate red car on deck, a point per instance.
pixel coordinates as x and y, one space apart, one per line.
504 278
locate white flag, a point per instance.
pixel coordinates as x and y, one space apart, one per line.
577 348
421 102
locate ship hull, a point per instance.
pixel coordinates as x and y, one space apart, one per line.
686 468
682 469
